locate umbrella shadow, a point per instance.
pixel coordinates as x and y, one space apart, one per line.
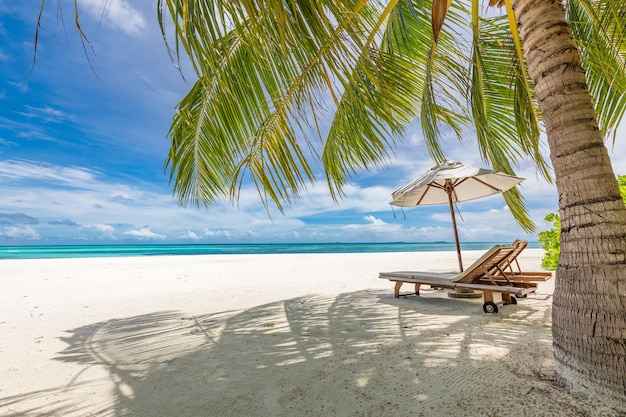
358 354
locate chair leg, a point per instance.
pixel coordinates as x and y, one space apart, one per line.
506 299
489 306
396 289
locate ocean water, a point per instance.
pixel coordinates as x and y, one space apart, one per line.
99 251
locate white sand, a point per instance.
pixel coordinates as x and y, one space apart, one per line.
269 335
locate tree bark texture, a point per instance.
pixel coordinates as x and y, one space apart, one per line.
589 306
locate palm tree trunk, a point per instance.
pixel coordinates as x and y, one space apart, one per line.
589 306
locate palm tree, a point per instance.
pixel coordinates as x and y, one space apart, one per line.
589 309
269 70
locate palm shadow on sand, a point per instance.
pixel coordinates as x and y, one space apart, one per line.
357 354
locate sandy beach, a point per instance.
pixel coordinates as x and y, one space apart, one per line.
269 335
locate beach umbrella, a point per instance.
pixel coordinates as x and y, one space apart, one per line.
450 182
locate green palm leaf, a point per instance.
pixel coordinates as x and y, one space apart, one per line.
272 69
260 88
498 86
600 30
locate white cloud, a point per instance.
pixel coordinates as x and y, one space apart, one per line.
441 217
217 233
135 206
317 199
118 13
47 114
122 198
190 235
374 227
29 170
104 228
373 220
21 86
144 233
26 232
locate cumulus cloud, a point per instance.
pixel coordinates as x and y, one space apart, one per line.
144 233
104 228
25 233
373 220
217 233
189 235
119 14
374 227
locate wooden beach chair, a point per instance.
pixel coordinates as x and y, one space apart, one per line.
510 267
485 275
511 261
509 272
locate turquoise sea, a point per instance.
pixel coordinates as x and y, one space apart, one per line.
99 251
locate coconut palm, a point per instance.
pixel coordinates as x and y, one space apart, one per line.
269 70
589 309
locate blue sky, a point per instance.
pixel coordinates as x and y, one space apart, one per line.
83 141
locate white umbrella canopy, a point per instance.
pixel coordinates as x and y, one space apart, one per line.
450 182
455 180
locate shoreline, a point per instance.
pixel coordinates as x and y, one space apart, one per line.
125 250
261 335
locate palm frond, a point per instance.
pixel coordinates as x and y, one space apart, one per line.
515 202
599 27
438 67
269 69
198 161
379 98
268 64
505 118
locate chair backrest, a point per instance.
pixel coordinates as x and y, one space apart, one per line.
519 245
488 261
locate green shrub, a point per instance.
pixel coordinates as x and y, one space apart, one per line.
550 242
549 239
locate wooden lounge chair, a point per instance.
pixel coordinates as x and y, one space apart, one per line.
511 261
484 275
510 267
509 273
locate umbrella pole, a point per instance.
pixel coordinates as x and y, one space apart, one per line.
456 234
458 292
